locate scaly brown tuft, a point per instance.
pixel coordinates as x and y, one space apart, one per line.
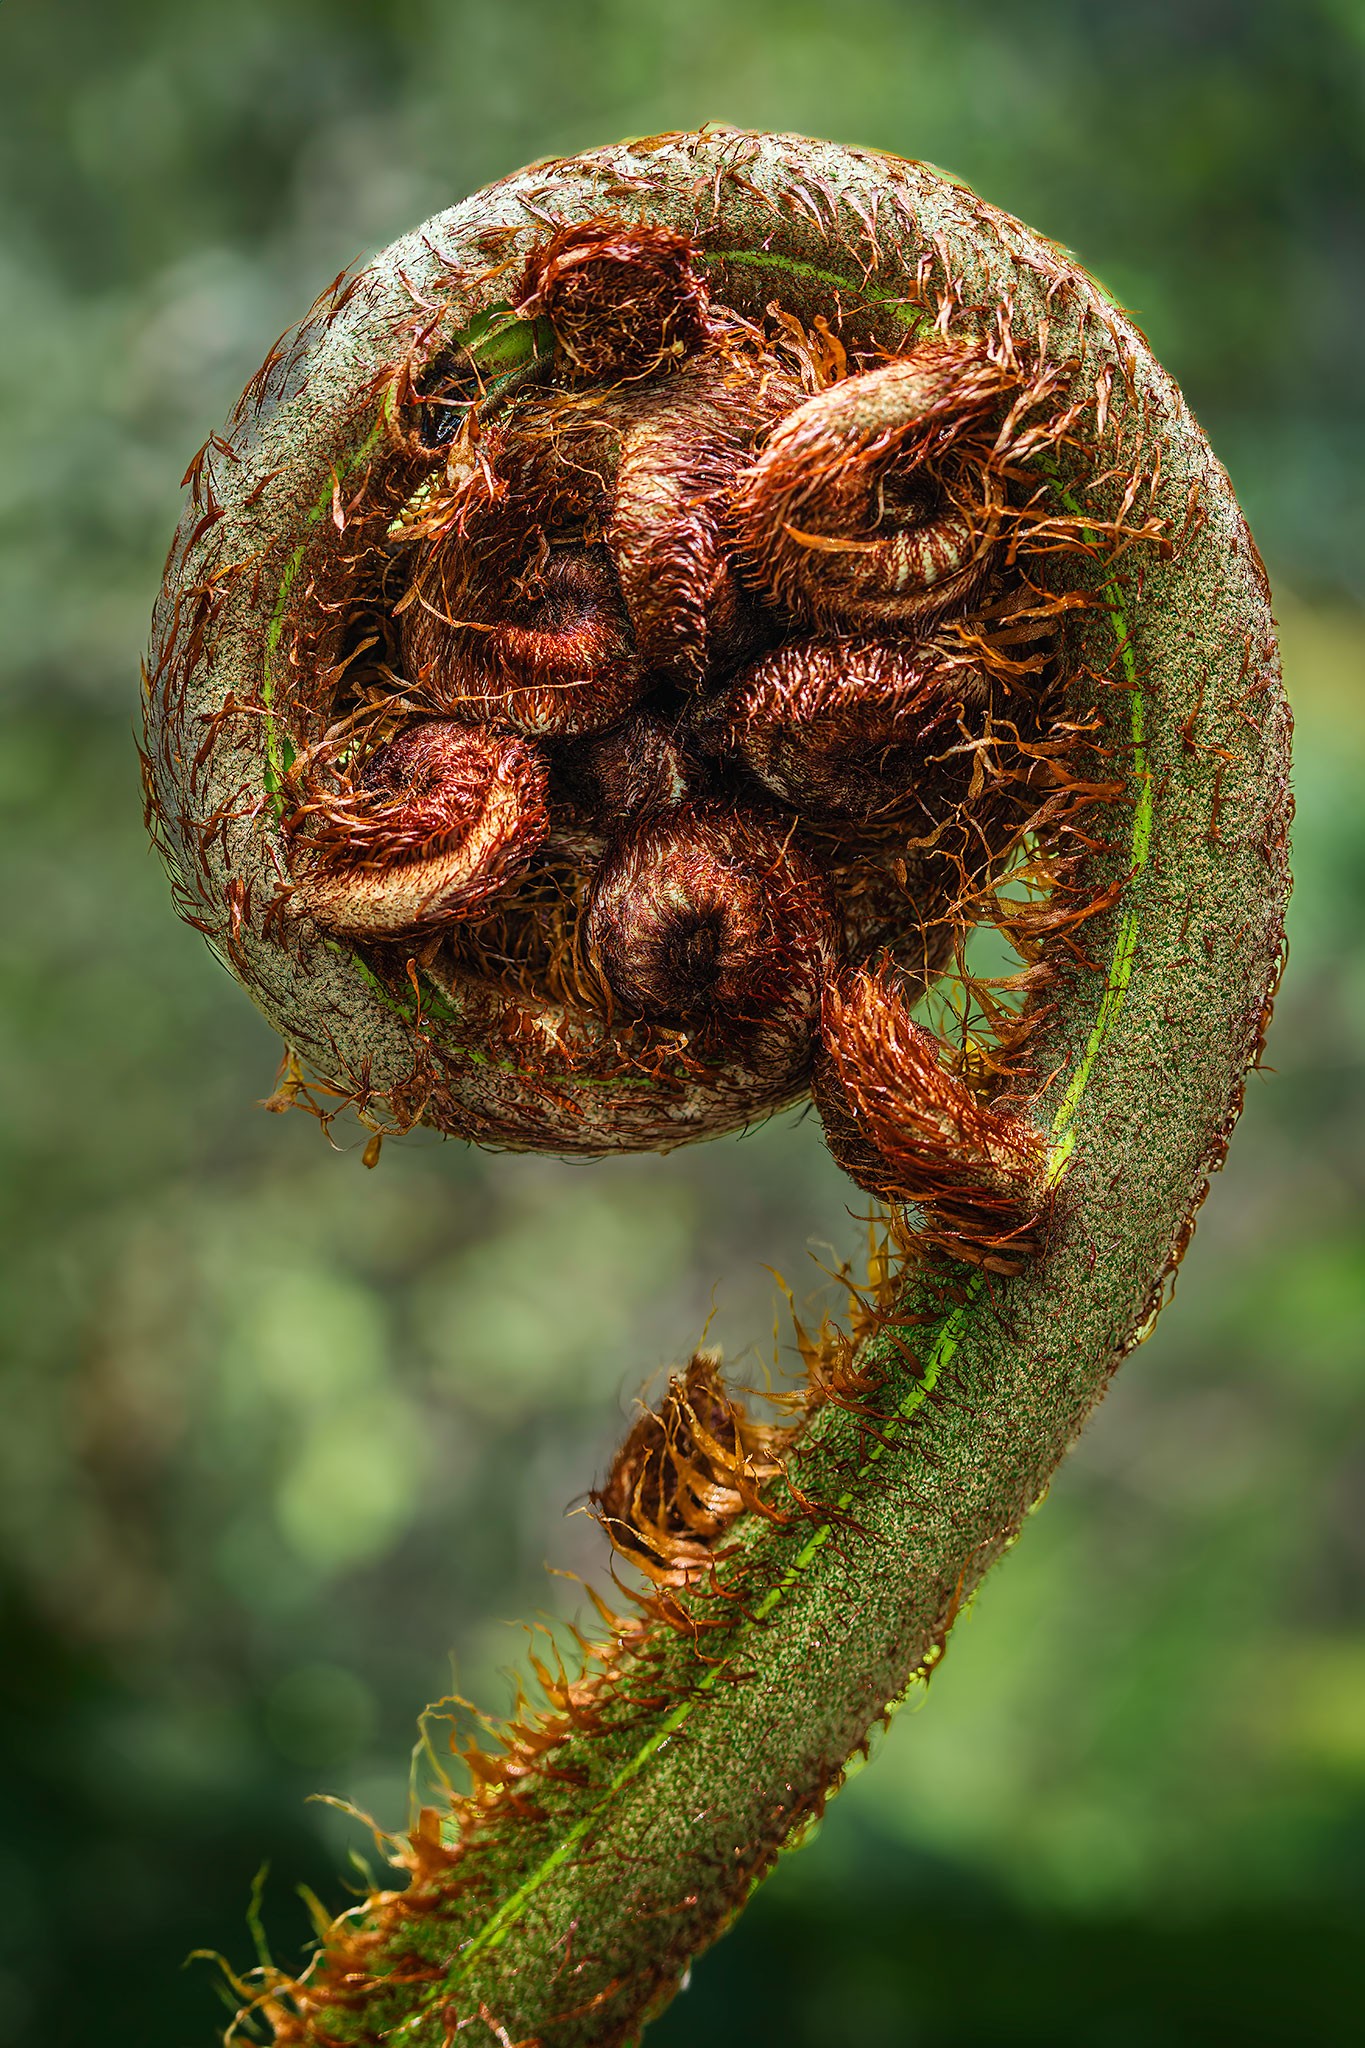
623 299
907 1128
684 1473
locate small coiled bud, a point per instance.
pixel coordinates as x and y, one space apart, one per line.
441 820
709 916
622 298
559 659
638 766
861 508
844 730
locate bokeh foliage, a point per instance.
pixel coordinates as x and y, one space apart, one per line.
281 1433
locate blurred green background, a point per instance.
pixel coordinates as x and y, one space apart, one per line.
286 1441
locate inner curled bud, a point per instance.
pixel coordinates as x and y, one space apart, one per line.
640 766
440 821
709 915
681 450
559 659
622 298
860 508
842 730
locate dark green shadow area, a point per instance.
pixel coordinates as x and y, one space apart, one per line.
910 1957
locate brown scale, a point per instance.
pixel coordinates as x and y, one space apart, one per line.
888 905
527 942
903 1125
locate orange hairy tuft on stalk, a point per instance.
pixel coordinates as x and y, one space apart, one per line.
684 1473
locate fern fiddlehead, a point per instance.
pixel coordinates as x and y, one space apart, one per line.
624 644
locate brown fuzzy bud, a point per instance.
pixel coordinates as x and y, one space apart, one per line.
622 299
844 730
865 506
560 658
638 767
907 1128
681 453
710 917
608 559
440 821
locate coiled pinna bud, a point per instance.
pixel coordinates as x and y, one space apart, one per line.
866 507
679 450
848 730
558 658
709 918
444 818
611 669
623 299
